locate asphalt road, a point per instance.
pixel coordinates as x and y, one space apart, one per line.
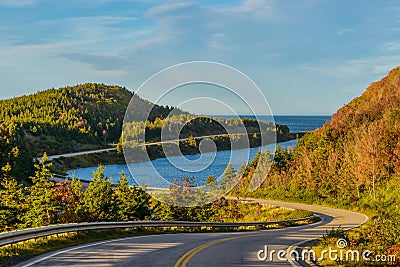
203 249
69 155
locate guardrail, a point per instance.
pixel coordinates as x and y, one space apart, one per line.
24 235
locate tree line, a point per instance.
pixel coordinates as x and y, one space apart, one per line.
46 202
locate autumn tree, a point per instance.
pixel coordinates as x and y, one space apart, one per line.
370 161
67 201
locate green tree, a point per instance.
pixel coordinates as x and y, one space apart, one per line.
119 146
98 198
211 182
11 201
212 188
261 171
132 202
228 177
39 200
77 192
282 157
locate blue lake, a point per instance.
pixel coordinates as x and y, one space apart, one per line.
161 172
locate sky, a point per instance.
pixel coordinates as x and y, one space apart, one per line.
307 57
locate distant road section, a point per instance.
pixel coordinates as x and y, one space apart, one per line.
68 155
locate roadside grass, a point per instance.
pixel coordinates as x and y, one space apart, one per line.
355 242
255 212
375 235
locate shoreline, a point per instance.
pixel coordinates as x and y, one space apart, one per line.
61 164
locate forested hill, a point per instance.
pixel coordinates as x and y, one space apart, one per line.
61 120
65 119
68 119
352 156
352 161
358 151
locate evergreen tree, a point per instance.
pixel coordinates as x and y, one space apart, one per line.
125 200
98 198
282 157
261 171
79 209
228 177
211 183
11 200
39 201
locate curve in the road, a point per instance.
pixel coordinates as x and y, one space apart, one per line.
203 249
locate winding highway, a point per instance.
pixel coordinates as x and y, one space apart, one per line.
205 249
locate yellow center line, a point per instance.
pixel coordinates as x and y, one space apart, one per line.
182 261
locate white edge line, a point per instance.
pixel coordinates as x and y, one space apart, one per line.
58 252
295 246
80 247
293 263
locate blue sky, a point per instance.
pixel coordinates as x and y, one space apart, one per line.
308 57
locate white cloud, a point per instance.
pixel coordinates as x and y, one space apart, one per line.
258 8
190 31
47 63
349 69
344 31
168 8
27 68
392 9
390 46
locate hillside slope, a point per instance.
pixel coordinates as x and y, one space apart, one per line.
352 161
358 150
69 119
63 120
